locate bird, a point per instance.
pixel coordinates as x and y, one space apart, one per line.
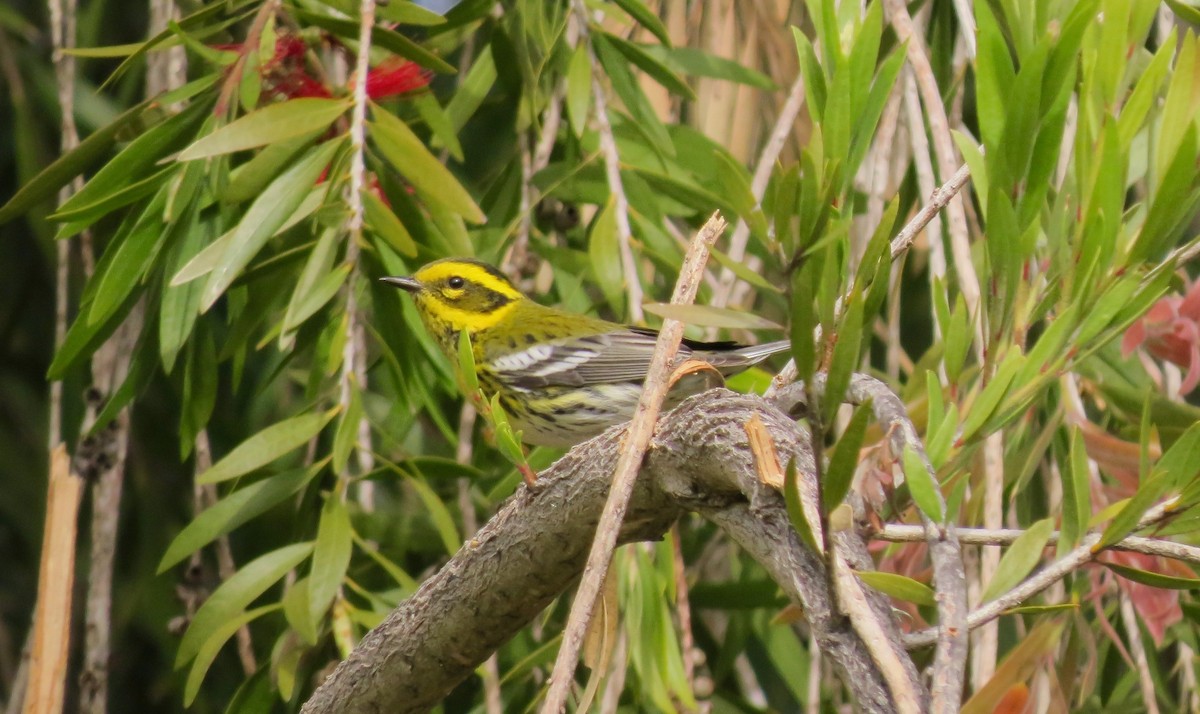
561 377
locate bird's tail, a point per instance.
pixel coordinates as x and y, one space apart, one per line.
745 356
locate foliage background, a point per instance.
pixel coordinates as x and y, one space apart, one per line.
1015 303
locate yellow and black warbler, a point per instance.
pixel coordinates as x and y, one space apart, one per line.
561 377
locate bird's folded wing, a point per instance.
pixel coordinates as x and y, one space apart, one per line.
593 359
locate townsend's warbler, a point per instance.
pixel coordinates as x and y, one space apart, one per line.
561 377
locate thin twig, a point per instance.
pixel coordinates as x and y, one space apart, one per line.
612 171
353 372
904 533
226 566
1082 554
636 440
758 185
1138 650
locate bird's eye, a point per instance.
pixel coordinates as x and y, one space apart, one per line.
456 282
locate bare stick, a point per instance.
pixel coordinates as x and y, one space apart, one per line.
612 171
1082 554
354 373
904 533
758 184
56 578
903 240
1138 649
640 431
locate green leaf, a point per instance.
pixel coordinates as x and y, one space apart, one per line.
409 13
208 650
283 121
708 316
443 522
380 37
579 89
845 357
1125 521
605 254
658 71
408 155
922 486
985 404
698 63
1181 463
251 178
330 558
1076 499
266 446
264 217
898 586
312 290
646 18
346 436
117 277
227 601
438 121
466 363
795 508
1020 559
382 222
844 460
646 120
480 79
43 186
1154 580
234 510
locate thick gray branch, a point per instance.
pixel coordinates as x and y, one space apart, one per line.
536 546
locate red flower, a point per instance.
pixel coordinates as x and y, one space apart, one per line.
396 76
1170 330
286 75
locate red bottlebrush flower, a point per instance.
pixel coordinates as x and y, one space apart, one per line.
396 76
1170 330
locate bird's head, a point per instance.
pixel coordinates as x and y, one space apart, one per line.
455 294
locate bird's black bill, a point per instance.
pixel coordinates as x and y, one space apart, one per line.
406 283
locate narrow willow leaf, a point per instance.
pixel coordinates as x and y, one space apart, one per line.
264 217
408 155
346 436
844 460
316 268
443 522
898 586
295 611
438 121
380 37
1149 491
266 446
709 316
845 356
698 63
1076 499
655 69
646 18
480 79
985 404
251 178
117 276
1020 559
207 652
43 186
795 508
579 89
243 588
922 486
409 13
234 510
631 94
605 253
383 223
1154 580
330 558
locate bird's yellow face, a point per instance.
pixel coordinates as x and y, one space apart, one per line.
454 294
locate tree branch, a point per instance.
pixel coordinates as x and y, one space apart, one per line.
537 545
